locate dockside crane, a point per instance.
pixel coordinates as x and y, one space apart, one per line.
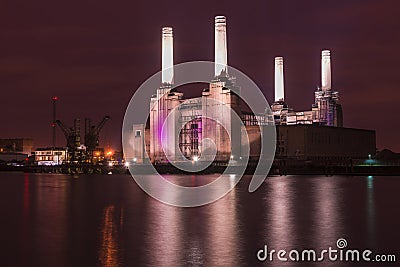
73 138
76 152
92 135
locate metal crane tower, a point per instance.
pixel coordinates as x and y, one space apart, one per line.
92 135
73 137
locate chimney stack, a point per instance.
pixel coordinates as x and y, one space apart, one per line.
221 58
279 81
167 61
326 70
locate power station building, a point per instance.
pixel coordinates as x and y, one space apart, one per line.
193 114
326 109
299 133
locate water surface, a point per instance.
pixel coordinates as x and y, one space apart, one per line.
106 220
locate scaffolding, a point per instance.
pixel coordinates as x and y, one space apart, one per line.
191 128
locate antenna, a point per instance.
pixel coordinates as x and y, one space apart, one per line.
53 124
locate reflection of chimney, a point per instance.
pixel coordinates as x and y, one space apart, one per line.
326 70
279 82
221 58
167 61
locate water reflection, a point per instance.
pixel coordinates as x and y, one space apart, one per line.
370 210
163 235
112 222
51 218
327 218
56 220
205 236
280 213
26 196
25 227
223 228
302 213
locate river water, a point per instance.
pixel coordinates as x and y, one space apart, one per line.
106 220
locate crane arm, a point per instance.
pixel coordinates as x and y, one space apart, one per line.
64 128
101 124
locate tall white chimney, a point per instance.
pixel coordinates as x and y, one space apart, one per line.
221 58
167 60
326 70
279 81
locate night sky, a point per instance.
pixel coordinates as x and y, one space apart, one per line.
94 54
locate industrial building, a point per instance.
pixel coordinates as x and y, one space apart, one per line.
313 134
323 143
75 152
88 152
50 156
16 145
193 114
326 109
15 149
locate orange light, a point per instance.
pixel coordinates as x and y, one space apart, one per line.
109 153
97 153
